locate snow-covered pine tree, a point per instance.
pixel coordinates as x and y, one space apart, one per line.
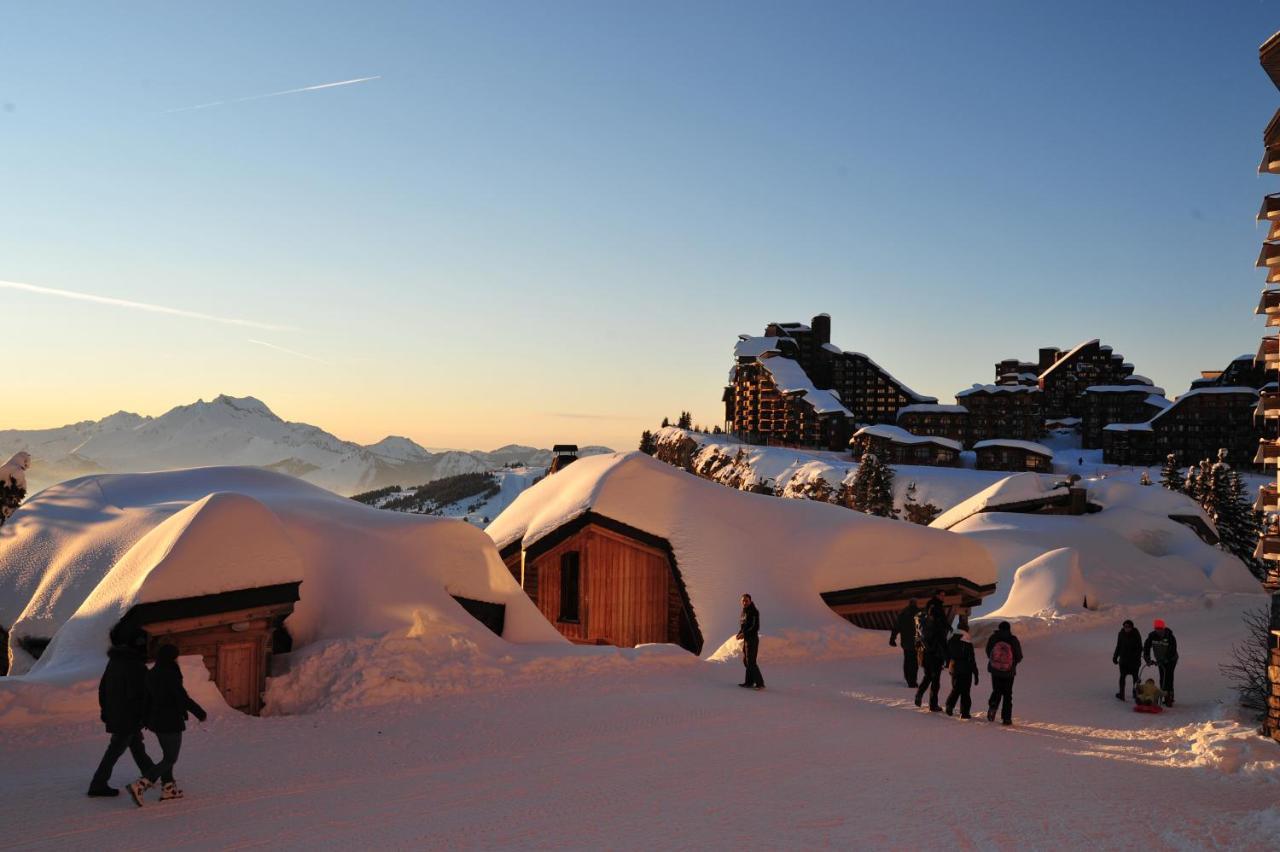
648 445
1171 475
1244 525
13 484
873 487
915 511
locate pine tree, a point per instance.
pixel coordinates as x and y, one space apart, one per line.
648 444
665 423
916 512
685 421
1243 525
1171 475
11 496
873 487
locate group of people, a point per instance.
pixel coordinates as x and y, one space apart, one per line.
929 645
133 697
1160 650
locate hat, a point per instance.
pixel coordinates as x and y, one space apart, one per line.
1159 625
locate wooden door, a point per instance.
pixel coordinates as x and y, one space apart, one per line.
238 675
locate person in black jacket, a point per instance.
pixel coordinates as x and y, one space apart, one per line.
905 628
167 707
932 637
122 699
749 633
1004 653
1162 649
964 667
1128 655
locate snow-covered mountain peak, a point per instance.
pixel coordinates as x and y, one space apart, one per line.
399 448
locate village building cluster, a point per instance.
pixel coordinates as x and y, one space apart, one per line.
792 387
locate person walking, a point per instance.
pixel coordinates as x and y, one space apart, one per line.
749 633
1162 648
122 701
932 638
964 667
1004 653
904 628
1128 655
167 708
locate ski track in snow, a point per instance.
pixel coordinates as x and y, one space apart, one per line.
833 753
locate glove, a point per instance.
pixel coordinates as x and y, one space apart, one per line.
1115 661
893 643
202 715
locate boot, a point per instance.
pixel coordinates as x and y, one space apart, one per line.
103 791
138 788
170 791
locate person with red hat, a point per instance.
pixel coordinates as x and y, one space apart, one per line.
1162 648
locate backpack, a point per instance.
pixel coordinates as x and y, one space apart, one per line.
1002 657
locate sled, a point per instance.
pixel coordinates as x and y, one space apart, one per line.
1147 708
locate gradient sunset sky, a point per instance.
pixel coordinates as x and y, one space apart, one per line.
549 221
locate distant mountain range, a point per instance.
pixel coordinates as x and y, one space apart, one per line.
244 431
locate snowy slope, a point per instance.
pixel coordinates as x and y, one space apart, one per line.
243 431
78 555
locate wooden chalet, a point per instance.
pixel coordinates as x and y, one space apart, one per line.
602 582
895 445
1107 404
1013 412
944 421
1001 454
877 607
234 632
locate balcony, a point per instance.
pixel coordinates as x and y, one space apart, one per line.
1268 404
1268 498
1270 254
1268 547
1268 453
1268 352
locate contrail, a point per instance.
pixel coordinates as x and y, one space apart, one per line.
138 306
293 352
276 94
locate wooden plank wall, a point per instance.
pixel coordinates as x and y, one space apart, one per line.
626 589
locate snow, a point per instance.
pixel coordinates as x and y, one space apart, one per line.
901 436
1018 488
1029 446
14 471
932 408
829 756
754 347
1135 388
78 555
1128 427
790 377
398 448
977 388
727 542
1051 582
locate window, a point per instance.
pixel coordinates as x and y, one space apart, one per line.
570 586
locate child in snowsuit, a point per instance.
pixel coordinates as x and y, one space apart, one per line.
1149 695
964 668
167 707
1128 655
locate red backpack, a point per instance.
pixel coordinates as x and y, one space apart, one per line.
1002 657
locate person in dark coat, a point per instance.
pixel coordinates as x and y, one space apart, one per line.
964 669
122 699
1162 649
932 637
749 633
1128 655
1004 653
904 627
167 707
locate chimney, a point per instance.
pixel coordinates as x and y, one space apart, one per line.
821 326
565 455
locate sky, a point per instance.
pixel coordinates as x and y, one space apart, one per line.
548 222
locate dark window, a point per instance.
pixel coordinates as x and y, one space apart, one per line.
570 586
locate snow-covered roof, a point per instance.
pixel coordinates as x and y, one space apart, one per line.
997 389
1158 401
1127 427
1029 446
901 436
1018 488
1136 379
1069 355
79 555
785 553
790 377
932 408
754 347
1248 356
1125 389
1229 389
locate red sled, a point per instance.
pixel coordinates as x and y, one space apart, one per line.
1147 708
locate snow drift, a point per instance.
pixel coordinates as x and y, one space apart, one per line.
77 556
726 542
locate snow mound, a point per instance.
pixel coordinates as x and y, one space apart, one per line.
1050 584
1018 488
727 542
15 470
80 554
1115 550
